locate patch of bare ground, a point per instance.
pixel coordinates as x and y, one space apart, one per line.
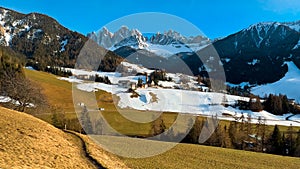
154 98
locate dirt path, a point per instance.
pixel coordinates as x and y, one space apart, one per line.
85 151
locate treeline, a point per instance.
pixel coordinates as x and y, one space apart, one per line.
58 71
50 69
275 104
205 80
96 78
280 105
242 135
158 75
101 79
83 124
239 91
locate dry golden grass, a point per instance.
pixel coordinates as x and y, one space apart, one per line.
103 157
27 142
58 92
197 156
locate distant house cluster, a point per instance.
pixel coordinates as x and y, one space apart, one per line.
159 78
95 78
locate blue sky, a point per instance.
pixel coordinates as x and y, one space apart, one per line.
216 18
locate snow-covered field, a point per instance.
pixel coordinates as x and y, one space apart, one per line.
172 49
288 85
193 102
185 101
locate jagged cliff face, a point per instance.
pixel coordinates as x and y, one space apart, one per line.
123 37
163 44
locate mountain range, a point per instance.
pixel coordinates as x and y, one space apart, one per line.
164 44
256 54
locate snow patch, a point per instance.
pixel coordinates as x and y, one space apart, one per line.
297 45
227 60
168 50
70 79
63 44
29 68
254 62
288 85
4 99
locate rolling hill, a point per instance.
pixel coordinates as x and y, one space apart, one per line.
27 142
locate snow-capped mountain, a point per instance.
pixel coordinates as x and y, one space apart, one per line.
173 37
163 44
257 54
122 37
293 25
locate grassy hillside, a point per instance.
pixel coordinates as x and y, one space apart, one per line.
58 92
27 141
197 156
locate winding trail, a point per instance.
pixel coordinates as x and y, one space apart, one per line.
85 151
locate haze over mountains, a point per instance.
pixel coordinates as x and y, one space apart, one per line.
255 54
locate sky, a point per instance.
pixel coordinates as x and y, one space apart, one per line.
215 19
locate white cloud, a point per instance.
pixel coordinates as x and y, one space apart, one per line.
281 6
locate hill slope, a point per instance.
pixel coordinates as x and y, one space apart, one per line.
194 156
29 142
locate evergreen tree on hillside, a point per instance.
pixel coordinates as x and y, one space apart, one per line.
99 126
157 126
285 104
255 104
277 105
86 121
276 141
297 145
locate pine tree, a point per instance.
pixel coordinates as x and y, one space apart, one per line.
232 132
140 82
99 126
54 120
86 121
195 130
158 126
276 141
255 104
297 145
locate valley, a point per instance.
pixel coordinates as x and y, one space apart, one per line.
123 98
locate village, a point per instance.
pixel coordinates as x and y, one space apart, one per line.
135 78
